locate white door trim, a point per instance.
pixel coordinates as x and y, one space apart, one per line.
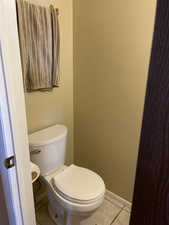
9 177
17 181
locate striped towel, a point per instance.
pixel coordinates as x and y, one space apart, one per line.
39 43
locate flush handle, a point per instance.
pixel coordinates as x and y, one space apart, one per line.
36 151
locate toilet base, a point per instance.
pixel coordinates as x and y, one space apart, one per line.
60 216
54 217
56 213
68 216
66 219
74 219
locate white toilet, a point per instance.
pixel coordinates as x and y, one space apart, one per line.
74 193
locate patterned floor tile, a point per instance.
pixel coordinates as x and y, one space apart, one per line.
128 209
122 219
104 215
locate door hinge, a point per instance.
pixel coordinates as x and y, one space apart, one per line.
9 162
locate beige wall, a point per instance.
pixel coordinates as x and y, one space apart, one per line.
111 53
45 109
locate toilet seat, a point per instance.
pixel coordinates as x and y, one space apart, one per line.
79 185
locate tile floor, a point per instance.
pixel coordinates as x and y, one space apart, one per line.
110 213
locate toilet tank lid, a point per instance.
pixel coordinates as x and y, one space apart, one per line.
47 136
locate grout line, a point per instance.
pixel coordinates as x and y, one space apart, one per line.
117 215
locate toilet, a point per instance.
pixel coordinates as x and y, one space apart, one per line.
74 193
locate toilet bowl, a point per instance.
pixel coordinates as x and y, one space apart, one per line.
69 204
74 192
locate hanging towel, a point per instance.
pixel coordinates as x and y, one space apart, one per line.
39 43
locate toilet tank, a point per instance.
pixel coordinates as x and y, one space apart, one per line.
47 148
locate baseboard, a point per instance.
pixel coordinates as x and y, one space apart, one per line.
117 200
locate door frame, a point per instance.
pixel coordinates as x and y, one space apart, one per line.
16 181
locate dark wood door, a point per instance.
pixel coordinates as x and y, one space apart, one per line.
151 194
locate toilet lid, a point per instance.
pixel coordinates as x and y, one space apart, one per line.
79 184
